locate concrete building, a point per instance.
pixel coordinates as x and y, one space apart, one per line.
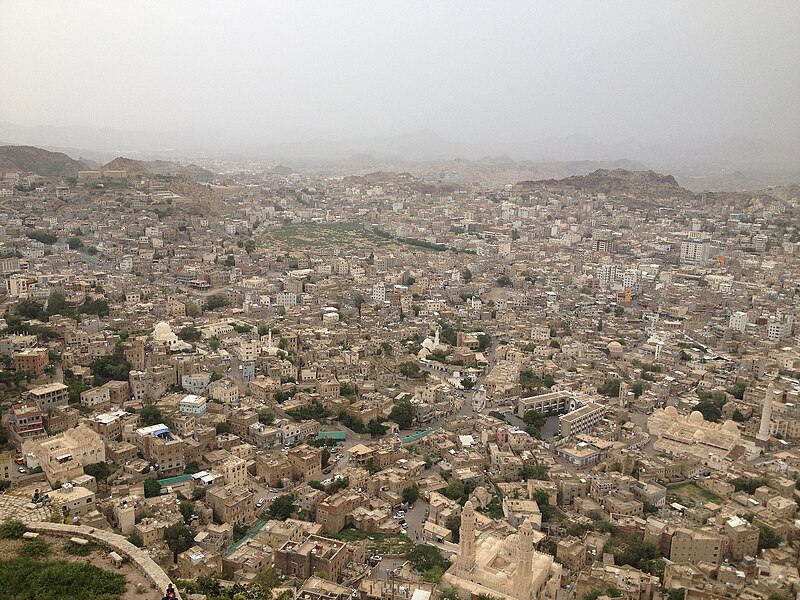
581 420
48 397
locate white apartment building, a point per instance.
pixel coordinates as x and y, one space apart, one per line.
738 321
606 274
192 405
695 251
581 420
780 326
379 293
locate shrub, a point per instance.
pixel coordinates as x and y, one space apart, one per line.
34 549
12 530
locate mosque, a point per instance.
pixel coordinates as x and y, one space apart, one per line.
505 567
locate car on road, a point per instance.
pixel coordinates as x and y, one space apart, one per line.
260 503
22 470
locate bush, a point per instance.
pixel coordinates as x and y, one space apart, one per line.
34 549
71 547
426 558
12 530
33 580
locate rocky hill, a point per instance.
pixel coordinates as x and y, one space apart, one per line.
29 159
148 168
617 182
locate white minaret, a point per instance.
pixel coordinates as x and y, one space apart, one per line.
466 547
436 339
766 417
524 574
269 339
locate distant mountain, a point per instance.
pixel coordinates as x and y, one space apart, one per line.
28 159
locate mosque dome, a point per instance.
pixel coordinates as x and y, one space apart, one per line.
614 348
730 427
162 331
696 418
671 412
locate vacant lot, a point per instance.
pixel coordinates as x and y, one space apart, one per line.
690 494
377 543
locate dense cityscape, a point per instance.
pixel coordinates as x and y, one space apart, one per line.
243 380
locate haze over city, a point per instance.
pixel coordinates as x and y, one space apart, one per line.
552 80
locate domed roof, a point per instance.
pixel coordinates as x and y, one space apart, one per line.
730 427
671 412
614 346
696 417
163 331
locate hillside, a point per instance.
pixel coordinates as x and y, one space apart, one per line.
148 168
617 182
28 159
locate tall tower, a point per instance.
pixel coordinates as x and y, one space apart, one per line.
766 416
466 548
524 574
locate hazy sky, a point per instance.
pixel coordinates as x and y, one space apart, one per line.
695 71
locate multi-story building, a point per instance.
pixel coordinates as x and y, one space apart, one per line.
332 511
192 405
109 425
157 444
742 538
306 462
25 422
697 545
581 420
49 396
695 251
738 321
31 360
96 396
231 504
316 554
272 470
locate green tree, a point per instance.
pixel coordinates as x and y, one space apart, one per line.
466 275
190 334
282 507
186 509
411 494
676 594
150 415
454 489
402 413
768 538
426 558
223 428
410 369
610 387
453 523
216 301
504 281
151 488
179 538
376 428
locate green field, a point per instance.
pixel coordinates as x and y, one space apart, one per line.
324 235
377 543
690 494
